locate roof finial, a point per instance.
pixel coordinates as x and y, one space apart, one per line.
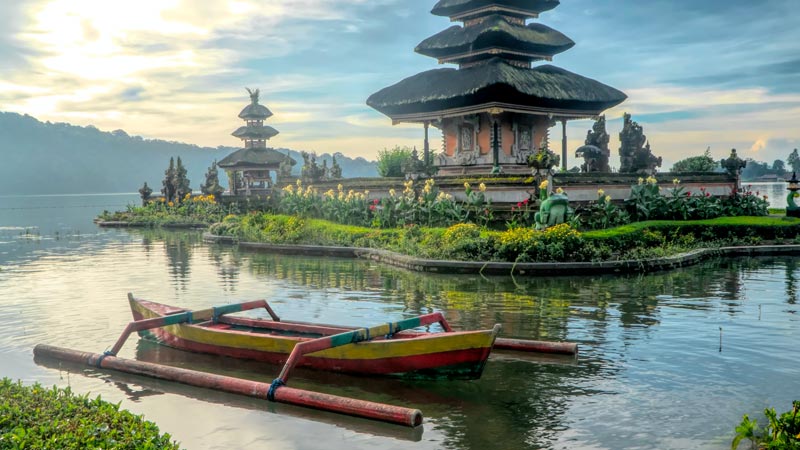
253 95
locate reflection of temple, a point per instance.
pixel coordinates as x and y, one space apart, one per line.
494 110
249 168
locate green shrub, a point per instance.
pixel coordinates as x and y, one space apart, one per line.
781 432
38 418
391 162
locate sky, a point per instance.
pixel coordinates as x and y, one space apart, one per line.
698 73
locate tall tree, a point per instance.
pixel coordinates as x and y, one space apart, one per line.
794 161
168 188
181 182
779 167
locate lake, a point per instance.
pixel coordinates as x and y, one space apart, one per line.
667 361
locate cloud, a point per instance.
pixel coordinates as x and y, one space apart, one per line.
697 73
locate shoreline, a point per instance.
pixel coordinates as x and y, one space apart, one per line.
508 268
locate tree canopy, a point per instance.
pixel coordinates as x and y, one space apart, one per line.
703 163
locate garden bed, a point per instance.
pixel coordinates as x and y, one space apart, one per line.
465 248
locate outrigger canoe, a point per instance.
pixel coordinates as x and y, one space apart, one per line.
398 352
394 348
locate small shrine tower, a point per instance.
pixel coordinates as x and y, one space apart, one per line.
249 168
495 110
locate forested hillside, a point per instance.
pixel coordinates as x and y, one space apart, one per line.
56 158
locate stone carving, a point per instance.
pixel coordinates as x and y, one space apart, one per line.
733 164
634 152
145 192
596 153
554 209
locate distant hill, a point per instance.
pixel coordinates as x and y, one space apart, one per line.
58 158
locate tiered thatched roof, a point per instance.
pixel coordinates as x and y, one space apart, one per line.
525 8
255 132
496 81
497 36
255 157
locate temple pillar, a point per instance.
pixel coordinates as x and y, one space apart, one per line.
564 145
427 150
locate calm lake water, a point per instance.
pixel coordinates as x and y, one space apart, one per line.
668 361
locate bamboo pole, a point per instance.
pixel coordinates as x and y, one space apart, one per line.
298 397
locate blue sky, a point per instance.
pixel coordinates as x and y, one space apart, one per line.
718 73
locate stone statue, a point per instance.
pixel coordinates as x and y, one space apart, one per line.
554 209
634 152
733 164
596 153
253 95
211 185
145 192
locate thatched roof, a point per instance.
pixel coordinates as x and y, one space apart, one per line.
255 132
255 111
496 33
450 8
248 157
496 81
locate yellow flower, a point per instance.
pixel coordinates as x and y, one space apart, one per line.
651 180
676 181
330 194
340 188
544 184
467 186
170 204
608 198
299 182
482 187
559 191
187 196
289 189
601 192
366 193
641 180
392 192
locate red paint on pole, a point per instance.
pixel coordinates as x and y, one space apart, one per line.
326 402
564 348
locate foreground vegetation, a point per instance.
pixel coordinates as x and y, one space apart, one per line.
38 418
782 432
469 242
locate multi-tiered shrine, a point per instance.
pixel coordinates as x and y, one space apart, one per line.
495 110
249 168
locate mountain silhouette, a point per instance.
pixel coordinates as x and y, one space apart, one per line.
40 158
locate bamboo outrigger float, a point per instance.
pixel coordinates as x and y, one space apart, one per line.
388 349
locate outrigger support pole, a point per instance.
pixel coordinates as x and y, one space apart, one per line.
352 337
187 317
317 400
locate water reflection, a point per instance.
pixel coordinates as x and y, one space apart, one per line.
649 365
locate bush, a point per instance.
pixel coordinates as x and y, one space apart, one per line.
38 418
391 162
781 433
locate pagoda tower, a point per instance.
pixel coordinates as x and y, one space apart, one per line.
249 168
495 109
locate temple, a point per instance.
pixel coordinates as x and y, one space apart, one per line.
495 110
249 169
